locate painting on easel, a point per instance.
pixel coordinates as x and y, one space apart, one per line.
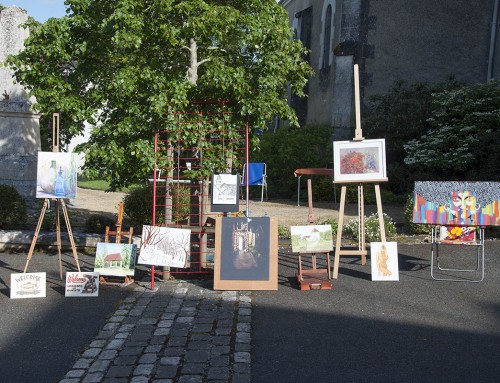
115 259
311 238
359 160
56 175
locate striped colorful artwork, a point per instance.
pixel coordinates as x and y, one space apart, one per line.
457 203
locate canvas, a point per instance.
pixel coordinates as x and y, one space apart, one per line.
311 238
355 161
246 253
115 259
458 234
456 203
28 285
164 246
225 189
56 175
384 261
82 284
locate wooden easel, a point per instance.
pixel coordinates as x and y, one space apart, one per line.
59 202
118 233
361 250
314 279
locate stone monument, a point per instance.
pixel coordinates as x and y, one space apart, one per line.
19 125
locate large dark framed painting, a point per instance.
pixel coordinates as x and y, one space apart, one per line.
246 253
456 203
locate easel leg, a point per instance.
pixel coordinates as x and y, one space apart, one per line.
380 213
70 234
37 232
361 221
339 233
58 238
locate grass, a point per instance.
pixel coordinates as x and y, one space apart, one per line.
99 185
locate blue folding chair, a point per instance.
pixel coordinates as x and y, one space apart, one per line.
256 177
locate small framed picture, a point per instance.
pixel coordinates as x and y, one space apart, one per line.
359 161
28 285
311 238
225 189
384 261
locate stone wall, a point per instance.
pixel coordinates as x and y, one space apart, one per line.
19 127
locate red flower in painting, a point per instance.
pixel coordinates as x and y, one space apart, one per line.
352 163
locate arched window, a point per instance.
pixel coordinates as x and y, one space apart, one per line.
327 34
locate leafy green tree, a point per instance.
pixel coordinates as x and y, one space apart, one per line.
122 65
464 137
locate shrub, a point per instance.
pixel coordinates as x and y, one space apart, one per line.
12 208
372 228
96 223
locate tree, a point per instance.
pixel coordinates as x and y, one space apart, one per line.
121 65
463 141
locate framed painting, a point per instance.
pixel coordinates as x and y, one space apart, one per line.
56 175
356 161
82 284
384 261
246 253
28 285
225 188
164 246
457 203
115 259
311 238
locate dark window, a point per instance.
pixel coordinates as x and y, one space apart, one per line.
327 37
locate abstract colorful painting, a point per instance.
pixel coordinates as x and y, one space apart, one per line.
311 238
164 246
56 175
457 203
115 259
359 160
384 261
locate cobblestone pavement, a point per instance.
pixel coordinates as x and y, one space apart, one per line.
182 331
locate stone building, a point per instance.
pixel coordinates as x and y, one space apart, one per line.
19 126
390 40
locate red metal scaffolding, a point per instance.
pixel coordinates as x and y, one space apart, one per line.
207 138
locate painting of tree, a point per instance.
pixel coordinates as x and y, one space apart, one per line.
164 246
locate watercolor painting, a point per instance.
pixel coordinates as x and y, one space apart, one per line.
164 246
115 259
311 238
56 175
384 261
359 160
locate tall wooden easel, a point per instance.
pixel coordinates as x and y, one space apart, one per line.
361 250
59 203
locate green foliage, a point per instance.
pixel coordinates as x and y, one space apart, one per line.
399 116
12 208
464 136
138 205
333 223
372 228
122 66
96 223
409 226
283 231
289 149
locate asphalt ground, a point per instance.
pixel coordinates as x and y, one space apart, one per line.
413 330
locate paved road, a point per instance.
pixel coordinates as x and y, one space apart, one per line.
416 329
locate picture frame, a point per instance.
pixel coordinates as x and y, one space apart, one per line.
225 192
311 238
384 261
358 161
246 253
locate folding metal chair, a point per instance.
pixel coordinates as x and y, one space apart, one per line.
476 272
256 177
